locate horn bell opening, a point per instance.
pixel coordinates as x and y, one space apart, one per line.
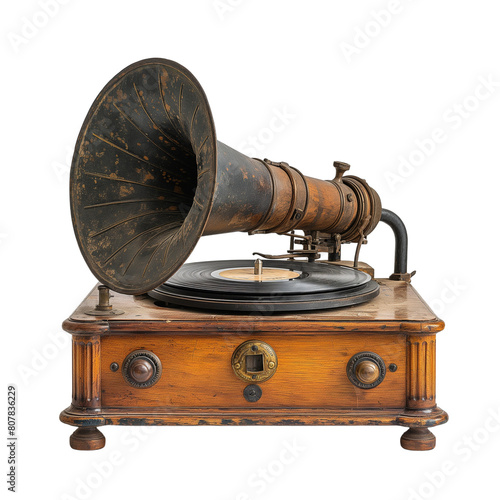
143 175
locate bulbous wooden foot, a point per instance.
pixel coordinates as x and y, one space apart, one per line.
418 439
87 438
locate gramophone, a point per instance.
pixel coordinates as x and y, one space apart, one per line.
278 340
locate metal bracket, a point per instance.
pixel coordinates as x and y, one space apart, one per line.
402 276
307 251
361 241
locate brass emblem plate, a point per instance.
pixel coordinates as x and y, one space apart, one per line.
254 361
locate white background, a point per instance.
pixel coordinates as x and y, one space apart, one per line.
363 99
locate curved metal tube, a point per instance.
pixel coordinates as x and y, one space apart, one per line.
401 236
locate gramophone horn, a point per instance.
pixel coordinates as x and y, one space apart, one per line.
143 175
148 178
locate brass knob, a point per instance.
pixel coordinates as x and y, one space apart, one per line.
141 370
367 371
340 168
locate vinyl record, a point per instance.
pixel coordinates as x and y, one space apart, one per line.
282 286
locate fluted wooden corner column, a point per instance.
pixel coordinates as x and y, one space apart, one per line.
420 389
87 389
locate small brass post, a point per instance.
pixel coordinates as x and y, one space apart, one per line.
257 268
103 304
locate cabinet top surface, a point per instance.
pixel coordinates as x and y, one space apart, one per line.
397 308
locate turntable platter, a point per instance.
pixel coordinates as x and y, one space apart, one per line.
283 285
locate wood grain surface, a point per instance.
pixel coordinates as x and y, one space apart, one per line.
311 372
398 308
